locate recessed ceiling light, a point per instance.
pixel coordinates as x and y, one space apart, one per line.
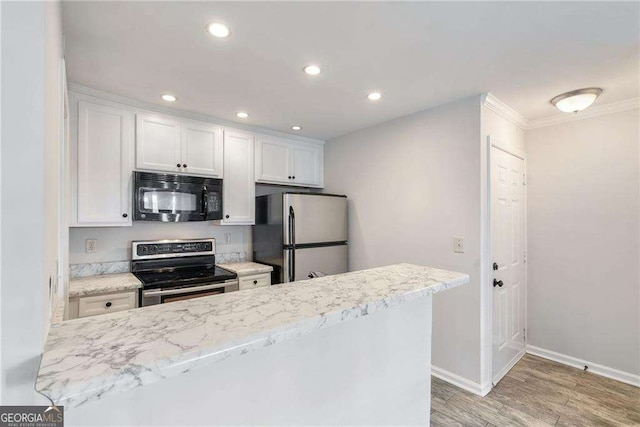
576 100
169 98
296 127
312 70
374 96
218 29
242 115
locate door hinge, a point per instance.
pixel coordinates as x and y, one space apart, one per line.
524 180
524 334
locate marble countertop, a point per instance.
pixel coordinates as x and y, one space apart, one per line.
246 268
89 358
94 285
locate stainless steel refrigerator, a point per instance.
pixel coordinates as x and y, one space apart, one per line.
301 234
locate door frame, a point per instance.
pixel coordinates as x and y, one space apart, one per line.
487 289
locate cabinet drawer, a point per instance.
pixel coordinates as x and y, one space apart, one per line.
109 303
255 281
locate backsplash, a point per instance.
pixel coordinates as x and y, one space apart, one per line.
113 267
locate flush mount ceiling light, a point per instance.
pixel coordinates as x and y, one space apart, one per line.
218 29
312 70
169 98
374 96
576 100
296 127
242 115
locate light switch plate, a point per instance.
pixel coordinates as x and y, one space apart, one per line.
91 246
458 244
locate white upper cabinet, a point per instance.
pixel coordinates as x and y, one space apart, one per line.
101 176
272 160
306 164
158 143
170 144
202 149
238 186
288 162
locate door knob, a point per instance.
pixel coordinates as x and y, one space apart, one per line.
495 266
497 282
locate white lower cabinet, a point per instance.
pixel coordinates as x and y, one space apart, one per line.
254 281
101 175
238 185
288 162
101 304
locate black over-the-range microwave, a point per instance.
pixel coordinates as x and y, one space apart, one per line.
176 198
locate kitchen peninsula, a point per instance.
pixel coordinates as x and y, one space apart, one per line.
353 348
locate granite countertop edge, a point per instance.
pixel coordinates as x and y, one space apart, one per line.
74 393
103 284
246 268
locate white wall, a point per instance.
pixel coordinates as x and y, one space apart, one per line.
114 243
584 240
28 255
413 184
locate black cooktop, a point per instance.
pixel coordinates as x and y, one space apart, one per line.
177 277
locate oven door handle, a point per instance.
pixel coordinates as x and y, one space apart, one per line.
188 290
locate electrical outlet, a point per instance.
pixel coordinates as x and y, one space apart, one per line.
227 238
91 246
458 244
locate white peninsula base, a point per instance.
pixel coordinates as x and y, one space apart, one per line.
374 370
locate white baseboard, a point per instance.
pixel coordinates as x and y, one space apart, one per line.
594 368
510 365
458 381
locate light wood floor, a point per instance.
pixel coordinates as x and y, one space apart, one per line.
538 392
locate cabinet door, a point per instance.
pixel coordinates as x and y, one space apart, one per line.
103 186
273 162
238 185
202 149
157 143
307 163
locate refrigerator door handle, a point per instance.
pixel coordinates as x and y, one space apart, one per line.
292 235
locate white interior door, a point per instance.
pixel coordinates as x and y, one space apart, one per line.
508 252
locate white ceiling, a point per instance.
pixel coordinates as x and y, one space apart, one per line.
417 54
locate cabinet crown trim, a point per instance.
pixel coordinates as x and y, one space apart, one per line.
143 105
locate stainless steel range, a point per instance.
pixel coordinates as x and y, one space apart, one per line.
175 270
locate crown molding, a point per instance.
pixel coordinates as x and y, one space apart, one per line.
508 113
80 89
504 111
589 113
